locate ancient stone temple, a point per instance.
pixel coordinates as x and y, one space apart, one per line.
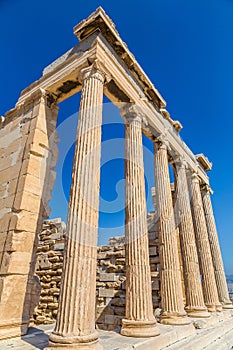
191 273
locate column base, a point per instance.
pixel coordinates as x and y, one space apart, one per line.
79 346
214 307
174 319
58 342
211 308
139 329
197 312
219 307
227 306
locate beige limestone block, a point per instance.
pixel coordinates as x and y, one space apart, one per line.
18 245
32 166
27 201
15 262
10 173
6 162
31 184
5 219
6 203
14 146
8 187
13 319
22 241
19 221
16 241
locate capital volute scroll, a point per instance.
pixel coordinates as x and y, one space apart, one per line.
195 177
162 142
132 113
179 161
95 70
206 188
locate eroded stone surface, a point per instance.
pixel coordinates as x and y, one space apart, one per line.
110 286
100 63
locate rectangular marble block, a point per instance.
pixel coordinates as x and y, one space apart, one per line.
106 292
108 277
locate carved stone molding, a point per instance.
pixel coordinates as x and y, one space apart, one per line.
162 142
206 188
94 71
131 112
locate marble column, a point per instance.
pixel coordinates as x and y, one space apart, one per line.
215 249
195 305
171 286
176 214
139 319
75 326
203 247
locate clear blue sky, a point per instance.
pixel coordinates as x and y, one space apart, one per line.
185 47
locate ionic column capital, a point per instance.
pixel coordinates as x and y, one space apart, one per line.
180 162
132 113
94 71
162 142
206 188
194 177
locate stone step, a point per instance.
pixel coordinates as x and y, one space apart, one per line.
223 343
219 337
208 338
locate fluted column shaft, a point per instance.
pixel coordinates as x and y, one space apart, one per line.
139 319
75 326
203 247
176 216
171 287
195 305
215 249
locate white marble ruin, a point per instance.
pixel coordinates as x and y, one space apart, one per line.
102 64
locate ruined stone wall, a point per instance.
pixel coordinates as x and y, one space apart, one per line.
28 156
49 269
110 281
110 291
14 133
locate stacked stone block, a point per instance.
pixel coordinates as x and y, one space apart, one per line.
110 291
28 157
49 269
110 280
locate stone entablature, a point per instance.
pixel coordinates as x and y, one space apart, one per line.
126 81
102 64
